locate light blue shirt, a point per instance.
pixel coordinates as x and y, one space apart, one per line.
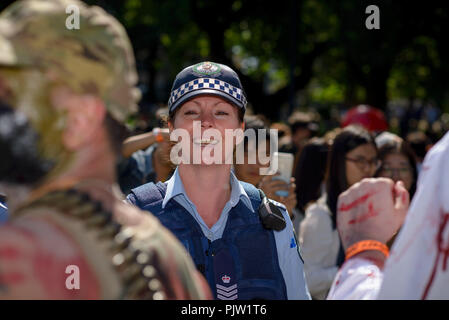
288 254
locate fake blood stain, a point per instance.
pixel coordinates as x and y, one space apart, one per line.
355 203
442 251
371 213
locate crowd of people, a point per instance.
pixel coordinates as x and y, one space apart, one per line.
140 225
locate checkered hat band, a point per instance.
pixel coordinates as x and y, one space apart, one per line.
207 83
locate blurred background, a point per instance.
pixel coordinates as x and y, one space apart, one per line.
299 55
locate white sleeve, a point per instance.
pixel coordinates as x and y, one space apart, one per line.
290 262
358 279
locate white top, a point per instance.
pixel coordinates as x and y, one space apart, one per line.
319 244
359 279
418 266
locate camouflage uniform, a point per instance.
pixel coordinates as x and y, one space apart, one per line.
137 260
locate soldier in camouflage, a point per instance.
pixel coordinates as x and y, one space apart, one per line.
64 96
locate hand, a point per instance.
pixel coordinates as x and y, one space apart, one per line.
373 209
270 186
161 134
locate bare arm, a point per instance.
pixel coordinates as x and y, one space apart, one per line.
142 141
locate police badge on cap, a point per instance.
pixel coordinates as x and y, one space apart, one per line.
206 68
207 78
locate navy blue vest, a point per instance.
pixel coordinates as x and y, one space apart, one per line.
242 265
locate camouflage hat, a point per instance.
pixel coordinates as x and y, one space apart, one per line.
95 58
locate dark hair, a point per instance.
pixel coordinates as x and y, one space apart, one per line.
402 147
418 142
303 120
348 139
282 128
310 171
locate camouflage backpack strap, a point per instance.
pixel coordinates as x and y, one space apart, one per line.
132 257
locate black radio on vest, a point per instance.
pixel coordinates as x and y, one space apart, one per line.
270 214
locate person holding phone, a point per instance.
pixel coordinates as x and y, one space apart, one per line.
353 157
219 219
280 190
281 186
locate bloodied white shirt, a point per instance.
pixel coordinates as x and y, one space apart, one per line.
418 266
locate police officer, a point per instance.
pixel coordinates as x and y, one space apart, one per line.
243 243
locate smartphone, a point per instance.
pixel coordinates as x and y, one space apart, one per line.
285 167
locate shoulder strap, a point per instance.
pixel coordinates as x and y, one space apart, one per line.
255 195
150 196
269 213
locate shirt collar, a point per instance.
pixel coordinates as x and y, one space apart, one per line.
175 187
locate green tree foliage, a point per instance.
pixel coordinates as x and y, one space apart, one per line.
293 53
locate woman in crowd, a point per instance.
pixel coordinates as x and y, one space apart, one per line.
352 157
398 161
309 176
